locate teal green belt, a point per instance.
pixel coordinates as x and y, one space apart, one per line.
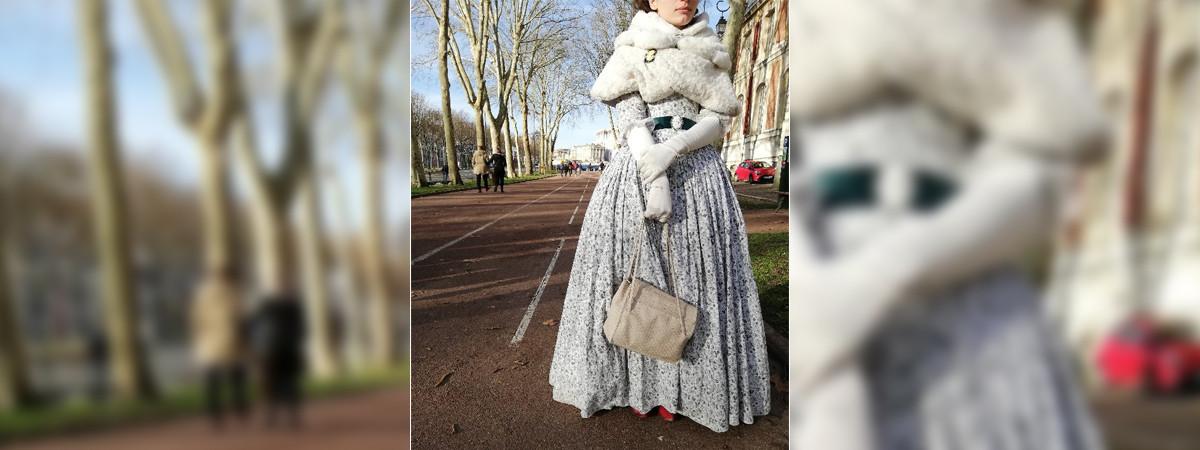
855 187
662 122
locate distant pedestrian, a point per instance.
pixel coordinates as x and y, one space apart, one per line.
97 357
277 335
217 341
499 168
446 173
479 167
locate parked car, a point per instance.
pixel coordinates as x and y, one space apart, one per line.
1146 355
754 172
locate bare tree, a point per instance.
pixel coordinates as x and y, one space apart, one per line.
130 373
559 95
308 38
361 66
207 115
443 52
15 388
517 24
541 57
472 18
733 29
594 44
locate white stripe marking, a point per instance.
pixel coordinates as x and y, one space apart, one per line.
537 296
581 194
572 221
448 244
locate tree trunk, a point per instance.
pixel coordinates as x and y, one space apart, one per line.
418 171
494 136
382 329
418 165
356 342
316 300
130 374
733 28
508 156
525 139
444 79
508 143
15 388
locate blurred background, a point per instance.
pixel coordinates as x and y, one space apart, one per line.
149 149
1124 278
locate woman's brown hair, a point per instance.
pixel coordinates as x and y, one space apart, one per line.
643 5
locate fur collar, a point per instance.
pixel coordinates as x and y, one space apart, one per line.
691 62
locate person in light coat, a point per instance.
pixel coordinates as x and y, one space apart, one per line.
217 342
479 166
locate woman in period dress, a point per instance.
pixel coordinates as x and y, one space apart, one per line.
668 80
937 134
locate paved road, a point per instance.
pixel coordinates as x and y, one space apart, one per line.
482 342
374 420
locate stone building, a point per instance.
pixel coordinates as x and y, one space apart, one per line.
1131 238
760 80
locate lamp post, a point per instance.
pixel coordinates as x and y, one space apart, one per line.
722 23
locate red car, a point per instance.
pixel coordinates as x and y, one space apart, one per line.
754 171
1145 355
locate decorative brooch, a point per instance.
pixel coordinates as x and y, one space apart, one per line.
650 55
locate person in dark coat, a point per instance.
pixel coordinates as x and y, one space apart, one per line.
278 332
499 167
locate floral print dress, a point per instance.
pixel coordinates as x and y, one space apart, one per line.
722 379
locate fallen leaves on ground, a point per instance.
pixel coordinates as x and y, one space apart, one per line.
550 323
444 378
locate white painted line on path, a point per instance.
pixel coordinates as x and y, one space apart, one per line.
578 202
448 244
537 296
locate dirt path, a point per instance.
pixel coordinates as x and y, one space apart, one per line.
480 262
374 420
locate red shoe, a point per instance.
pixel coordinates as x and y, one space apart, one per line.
641 415
666 415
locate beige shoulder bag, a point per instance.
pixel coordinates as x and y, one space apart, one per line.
645 319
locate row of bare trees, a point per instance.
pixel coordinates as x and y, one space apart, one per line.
215 98
514 60
315 41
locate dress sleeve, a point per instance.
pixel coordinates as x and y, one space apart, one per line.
630 111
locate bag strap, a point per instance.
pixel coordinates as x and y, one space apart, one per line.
669 267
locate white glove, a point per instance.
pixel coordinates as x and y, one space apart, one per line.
639 139
1004 207
836 415
654 163
658 200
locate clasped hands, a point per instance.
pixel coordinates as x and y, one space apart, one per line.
653 159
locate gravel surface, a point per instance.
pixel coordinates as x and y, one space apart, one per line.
473 388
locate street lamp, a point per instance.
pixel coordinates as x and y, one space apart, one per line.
722 23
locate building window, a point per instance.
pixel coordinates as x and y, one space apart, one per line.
781 103
759 115
765 51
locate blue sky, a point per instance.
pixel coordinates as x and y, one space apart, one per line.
41 69
580 129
